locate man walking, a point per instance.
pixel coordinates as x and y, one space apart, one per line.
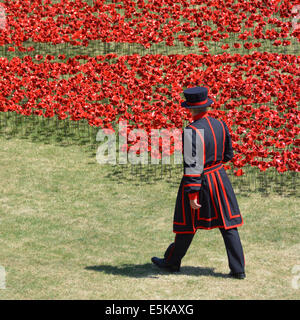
205 198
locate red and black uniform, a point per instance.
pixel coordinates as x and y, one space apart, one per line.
212 188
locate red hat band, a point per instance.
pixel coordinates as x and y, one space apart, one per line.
196 103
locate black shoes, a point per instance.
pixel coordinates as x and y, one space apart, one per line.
161 263
240 275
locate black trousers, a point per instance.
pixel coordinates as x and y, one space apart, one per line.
177 250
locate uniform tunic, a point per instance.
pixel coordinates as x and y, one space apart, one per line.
211 186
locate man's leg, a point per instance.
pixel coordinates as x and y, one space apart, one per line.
234 250
177 250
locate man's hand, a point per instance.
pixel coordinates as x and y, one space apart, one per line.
194 204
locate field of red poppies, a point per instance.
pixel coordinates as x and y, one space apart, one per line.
150 22
245 52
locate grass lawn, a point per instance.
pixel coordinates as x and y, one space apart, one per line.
71 229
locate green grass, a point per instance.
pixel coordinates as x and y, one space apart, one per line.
71 228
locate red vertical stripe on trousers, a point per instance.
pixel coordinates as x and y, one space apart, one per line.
171 252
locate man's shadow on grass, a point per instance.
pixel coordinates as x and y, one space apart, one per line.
148 270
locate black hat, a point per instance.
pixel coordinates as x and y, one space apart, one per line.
196 98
